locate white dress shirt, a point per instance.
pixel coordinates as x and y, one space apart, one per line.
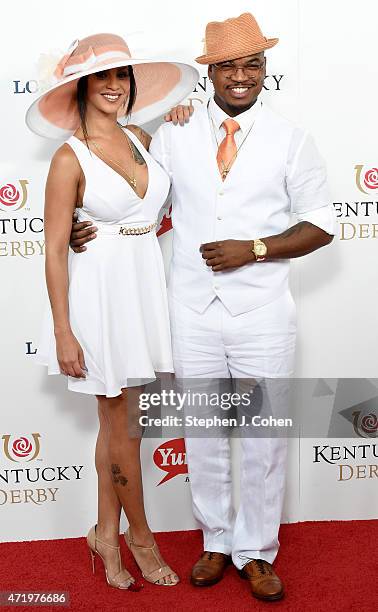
278 171
322 217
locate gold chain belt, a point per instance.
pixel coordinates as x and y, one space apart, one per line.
137 231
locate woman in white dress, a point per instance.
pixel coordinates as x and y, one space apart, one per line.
108 331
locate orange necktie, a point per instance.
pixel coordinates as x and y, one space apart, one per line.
227 149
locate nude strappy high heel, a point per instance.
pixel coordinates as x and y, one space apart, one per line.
123 579
156 575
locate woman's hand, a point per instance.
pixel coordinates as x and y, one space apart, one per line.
180 114
70 355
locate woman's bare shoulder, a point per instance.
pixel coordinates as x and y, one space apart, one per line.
65 160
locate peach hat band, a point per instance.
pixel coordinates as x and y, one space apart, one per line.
71 64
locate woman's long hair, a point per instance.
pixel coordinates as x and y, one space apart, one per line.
82 89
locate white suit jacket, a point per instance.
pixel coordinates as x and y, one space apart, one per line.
277 172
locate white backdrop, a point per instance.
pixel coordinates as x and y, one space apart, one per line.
321 75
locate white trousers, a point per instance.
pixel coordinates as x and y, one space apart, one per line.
217 345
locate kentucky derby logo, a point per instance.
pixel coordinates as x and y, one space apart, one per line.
171 458
23 448
165 223
365 426
13 197
366 179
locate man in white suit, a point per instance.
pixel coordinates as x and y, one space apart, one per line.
238 172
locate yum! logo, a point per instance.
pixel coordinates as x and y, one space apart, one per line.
366 179
171 458
13 197
23 448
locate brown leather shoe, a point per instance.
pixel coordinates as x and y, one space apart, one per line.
209 569
264 582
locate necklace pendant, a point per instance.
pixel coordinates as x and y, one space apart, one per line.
133 182
224 174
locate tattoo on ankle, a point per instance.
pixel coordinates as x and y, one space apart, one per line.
137 155
118 477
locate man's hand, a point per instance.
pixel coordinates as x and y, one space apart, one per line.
227 254
81 233
180 114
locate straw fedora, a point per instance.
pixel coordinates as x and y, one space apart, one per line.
233 38
160 85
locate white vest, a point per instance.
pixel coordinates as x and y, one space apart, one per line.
253 202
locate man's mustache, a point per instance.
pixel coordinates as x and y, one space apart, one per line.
238 84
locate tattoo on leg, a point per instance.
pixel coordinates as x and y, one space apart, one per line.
118 477
138 157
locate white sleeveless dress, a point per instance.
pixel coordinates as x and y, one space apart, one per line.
117 291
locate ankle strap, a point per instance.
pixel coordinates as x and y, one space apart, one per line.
144 547
106 544
130 538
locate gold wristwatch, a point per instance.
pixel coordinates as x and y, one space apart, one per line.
259 249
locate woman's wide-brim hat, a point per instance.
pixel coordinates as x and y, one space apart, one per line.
234 38
160 85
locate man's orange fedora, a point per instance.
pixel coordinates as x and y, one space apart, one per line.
233 38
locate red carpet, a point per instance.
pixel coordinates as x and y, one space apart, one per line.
326 566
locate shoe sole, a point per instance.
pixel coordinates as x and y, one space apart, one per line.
270 597
202 583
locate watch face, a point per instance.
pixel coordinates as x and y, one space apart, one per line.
260 249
